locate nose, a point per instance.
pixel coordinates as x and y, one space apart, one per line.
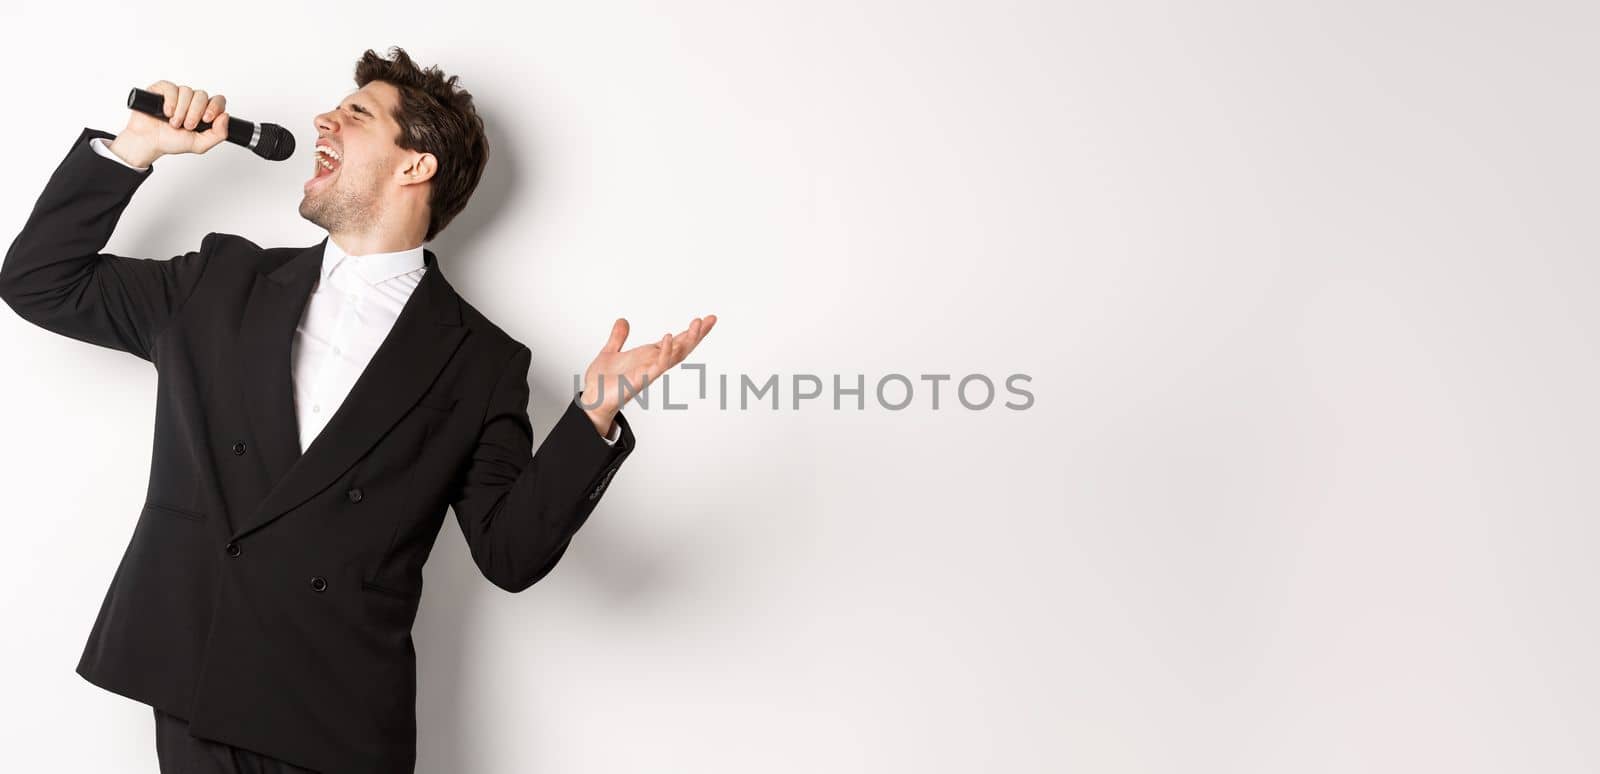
326 122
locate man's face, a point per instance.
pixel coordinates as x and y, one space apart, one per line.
361 132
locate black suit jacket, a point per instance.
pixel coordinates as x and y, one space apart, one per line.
267 596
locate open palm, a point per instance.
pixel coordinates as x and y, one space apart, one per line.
617 375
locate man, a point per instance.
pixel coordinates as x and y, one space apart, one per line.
317 410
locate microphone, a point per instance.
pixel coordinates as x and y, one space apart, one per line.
269 141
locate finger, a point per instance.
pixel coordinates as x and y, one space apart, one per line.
683 343
169 96
682 348
216 134
695 335
217 104
619 334
663 358
197 107
181 110
688 332
706 323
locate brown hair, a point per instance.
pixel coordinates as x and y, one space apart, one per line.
437 117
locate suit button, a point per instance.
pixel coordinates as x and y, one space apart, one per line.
355 495
233 549
318 583
238 447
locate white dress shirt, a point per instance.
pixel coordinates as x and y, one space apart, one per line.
353 306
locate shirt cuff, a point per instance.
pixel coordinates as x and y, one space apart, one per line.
104 148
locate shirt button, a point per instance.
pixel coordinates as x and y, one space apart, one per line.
355 495
318 583
316 409
238 447
232 549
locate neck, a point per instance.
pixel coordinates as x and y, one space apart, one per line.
378 240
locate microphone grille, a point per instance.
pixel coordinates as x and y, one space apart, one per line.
277 143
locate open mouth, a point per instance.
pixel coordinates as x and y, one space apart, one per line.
327 163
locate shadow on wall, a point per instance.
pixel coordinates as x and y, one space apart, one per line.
500 185
623 573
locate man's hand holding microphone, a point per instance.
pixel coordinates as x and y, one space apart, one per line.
147 138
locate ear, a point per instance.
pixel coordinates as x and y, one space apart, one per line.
420 169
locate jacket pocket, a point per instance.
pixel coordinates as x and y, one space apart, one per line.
176 511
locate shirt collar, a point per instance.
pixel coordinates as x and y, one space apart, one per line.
373 267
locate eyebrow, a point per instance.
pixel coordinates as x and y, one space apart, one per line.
356 106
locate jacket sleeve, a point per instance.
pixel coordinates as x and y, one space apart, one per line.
55 276
519 510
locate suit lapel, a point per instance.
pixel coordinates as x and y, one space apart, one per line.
277 300
425 335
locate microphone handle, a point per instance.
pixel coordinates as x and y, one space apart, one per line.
280 144
149 103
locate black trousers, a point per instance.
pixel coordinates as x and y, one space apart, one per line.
180 753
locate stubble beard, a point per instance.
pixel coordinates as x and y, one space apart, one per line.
338 209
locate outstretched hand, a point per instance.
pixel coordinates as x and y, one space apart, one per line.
616 376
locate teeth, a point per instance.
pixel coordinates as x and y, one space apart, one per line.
323 154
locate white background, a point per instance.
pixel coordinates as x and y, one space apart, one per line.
1305 290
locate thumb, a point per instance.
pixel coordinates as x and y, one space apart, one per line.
619 334
216 134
